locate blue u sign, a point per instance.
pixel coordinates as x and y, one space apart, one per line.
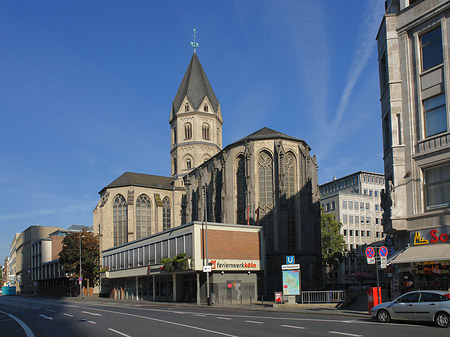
290 259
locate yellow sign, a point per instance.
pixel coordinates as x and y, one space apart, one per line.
418 240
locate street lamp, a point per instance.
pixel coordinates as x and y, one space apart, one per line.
80 279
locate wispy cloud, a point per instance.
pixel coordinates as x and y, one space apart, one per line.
17 216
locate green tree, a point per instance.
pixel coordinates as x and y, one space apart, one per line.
333 243
90 255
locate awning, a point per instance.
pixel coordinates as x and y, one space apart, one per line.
430 252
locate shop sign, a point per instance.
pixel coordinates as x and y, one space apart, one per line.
235 264
430 236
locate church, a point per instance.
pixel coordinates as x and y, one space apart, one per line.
265 183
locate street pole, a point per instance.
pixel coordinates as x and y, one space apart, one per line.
378 280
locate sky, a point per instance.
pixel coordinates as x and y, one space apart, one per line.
86 89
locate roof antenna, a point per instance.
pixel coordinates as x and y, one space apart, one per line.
194 44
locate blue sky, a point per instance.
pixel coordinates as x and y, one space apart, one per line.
86 89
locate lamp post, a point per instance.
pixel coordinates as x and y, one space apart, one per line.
80 279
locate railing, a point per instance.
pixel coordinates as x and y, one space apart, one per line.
329 296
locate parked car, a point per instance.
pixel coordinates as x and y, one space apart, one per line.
421 305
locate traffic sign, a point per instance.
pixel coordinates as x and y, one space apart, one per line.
383 251
290 267
383 262
206 269
370 254
290 259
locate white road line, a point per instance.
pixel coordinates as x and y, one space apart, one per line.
91 313
225 318
344 334
46 317
25 327
92 322
118 332
50 310
200 315
67 314
293 327
254 322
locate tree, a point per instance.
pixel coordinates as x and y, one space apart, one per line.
333 243
90 255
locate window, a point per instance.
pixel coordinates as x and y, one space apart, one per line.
350 219
120 220
432 297
143 216
356 205
345 219
265 172
362 220
361 206
351 232
350 205
290 184
437 186
333 205
241 190
377 207
409 298
187 131
174 134
376 194
166 213
328 207
431 44
188 164
371 191
362 233
357 233
377 221
205 131
205 108
367 206
435 115
368 234
345 232
365 191
367 220
377 234
344 204
387 141
356 219
186 107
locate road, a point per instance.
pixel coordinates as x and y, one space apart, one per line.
34 317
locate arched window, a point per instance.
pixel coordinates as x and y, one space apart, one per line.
175 165
166 213
290 182
205 107
240 190
120 220
174 134
265 170
187 131
143 216
186 107
205 131
188 164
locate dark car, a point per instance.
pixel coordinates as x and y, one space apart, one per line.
421 305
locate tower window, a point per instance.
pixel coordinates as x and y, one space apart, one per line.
174 134
186 107
205 131
205 107
188 164
187 131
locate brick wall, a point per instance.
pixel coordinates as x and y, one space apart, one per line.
56 246
232 245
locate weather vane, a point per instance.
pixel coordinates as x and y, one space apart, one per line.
194 44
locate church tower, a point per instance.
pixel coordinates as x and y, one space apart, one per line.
195 121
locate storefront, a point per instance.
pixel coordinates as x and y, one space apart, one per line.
170 266
424 264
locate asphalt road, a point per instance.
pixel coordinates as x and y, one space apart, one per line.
28 317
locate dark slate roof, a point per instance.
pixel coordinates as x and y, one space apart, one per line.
266 133
142 180
195 86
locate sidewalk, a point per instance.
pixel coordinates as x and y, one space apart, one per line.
356 310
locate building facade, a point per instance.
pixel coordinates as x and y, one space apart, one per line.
355 199
413 54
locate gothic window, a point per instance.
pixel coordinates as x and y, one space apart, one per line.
205 107
186 107
188 164
265 170
143 216
120 220
174 134
175 165
166 213
187 131
240 188
205 131
290 175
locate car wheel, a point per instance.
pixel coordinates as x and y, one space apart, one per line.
442 319
383 316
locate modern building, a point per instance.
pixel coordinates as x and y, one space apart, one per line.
24 256
413 54
355 199
267 178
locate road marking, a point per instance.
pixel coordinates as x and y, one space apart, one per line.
344 334
254 322
67 314
92 322
91 313
200 315
50 310
25 327
294 327
46 317
118 332
226 318
178 312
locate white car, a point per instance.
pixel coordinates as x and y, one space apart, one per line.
421 305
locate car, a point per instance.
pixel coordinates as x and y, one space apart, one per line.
420 305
